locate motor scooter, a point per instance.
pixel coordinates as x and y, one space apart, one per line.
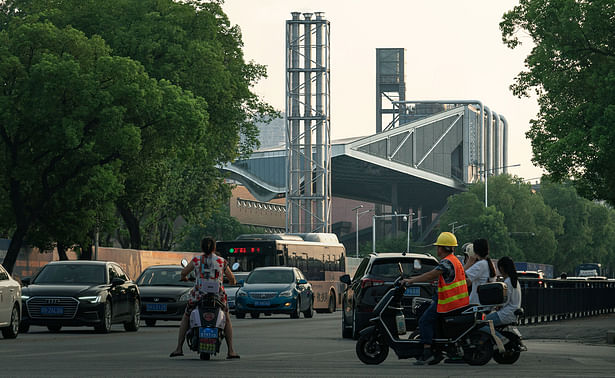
207 322
458 334
206 330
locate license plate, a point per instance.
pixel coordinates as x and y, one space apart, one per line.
208 339
413 291
262 303
52 310
156 307
231 304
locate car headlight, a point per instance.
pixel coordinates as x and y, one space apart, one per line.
287 293
241 293
25 297
90 298
184 297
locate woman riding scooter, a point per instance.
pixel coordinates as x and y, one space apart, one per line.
209 267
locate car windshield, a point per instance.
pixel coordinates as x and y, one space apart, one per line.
238 276
162 277
71 274
389 268
271 276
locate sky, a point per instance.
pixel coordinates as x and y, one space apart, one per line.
454 50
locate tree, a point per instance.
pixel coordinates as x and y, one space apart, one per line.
572 70
193 45
517 223
71 113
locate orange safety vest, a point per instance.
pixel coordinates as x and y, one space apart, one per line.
453 295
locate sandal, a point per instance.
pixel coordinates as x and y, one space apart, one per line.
176 354
229 357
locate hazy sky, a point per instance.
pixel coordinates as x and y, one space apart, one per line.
454 51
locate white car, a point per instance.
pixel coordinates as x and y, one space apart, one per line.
10 305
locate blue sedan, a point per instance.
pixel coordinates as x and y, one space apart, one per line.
275 290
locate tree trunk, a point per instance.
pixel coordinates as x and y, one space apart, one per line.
14 247
61 251
86 252
132 224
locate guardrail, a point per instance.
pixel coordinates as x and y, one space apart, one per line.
549 300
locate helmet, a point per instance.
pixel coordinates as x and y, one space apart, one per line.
446 239
468 249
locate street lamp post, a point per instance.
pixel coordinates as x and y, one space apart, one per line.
357 214
405 217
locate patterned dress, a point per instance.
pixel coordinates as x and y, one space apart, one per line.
209 272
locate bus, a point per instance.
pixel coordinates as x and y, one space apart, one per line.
320 256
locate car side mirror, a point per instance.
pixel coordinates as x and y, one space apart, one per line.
345 279
26 281
302 282
117 281
240 282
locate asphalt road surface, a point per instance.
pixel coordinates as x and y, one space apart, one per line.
282 347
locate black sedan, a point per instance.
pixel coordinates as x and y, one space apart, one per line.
163 295
80 293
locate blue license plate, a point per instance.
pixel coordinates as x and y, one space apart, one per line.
231 304
156 307
208 333
52 310
413 291
262 303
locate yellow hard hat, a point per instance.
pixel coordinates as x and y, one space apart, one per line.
446 239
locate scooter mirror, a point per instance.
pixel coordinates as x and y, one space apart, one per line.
184 263
417 264
235 266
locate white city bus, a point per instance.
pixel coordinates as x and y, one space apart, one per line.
320 256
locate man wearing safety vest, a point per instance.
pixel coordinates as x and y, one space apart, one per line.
452 292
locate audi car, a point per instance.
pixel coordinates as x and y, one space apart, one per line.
163 295
80 293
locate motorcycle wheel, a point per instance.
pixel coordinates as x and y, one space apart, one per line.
479 350
371 350
205 356
512 353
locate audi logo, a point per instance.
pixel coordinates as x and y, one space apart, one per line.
53 301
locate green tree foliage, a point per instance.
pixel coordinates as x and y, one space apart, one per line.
193 45
63 126
572 70
517 223
553 225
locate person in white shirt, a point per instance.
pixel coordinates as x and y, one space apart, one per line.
479 268
506 313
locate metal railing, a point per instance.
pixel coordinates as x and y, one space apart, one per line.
545 300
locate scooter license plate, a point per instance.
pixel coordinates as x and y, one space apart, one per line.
208 339
413 291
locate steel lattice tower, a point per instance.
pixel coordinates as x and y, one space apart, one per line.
308 132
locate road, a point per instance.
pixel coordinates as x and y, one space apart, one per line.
270 346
